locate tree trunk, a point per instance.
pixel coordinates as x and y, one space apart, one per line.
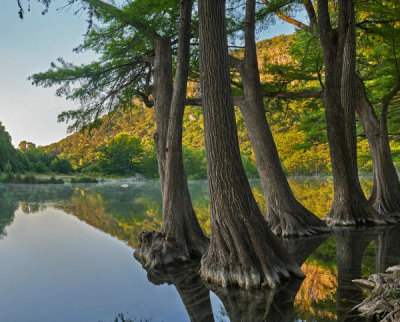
350 207
243 251
285 215
162 92
385 195
181 237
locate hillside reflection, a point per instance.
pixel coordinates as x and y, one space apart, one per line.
330 262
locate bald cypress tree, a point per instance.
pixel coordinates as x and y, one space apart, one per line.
243 251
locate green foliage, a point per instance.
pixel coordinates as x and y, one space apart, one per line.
84 179
249 167
148 164
121 155
194 161
61 166
313 124
29 179
8 168
10 160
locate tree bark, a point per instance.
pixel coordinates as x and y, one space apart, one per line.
181 237
385 194
350 207
285 215
243 251
162 92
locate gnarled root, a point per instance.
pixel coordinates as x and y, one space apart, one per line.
357 213
383 304
156 250
296 223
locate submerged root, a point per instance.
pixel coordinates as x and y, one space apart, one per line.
298 223
245 275
356 215
387 207
383 304
156 250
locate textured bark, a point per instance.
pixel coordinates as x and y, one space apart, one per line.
243 251
350 247
162 92
350 207
285 215
195 296
181 237
385 195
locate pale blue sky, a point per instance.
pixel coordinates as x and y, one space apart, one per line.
28 46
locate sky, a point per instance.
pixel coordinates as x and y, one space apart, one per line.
28 46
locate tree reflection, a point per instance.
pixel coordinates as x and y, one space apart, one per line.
8 206
350 247
195 296
387 248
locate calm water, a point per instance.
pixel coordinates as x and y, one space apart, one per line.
67 256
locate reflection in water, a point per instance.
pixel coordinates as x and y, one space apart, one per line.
7 210
326 294
350 246
387 248
195 296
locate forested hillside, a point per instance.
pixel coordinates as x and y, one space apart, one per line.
298 126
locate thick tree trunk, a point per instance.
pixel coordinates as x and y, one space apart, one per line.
350 207
181 237
385 195
162 92
243 251
285 215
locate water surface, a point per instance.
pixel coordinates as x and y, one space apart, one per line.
67 256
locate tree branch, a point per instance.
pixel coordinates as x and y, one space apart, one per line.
289 19
122 16
311 15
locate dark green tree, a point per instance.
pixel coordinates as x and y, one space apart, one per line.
122 155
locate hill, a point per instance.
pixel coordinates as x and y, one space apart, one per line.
298 126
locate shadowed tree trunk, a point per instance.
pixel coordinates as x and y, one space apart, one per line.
350 207
243 251
181 237
285 215
186 279
387 249
385 194
162 92
350 247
